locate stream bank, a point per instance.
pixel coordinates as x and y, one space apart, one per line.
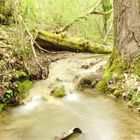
18 69
44 116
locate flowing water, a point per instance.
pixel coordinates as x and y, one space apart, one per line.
43 117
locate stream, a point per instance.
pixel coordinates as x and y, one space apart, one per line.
43 117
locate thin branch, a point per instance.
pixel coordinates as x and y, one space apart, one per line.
107 34
50 52
100 13
98 26
95 7
92 11
32 40
4 45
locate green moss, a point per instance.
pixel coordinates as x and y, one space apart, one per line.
23 83
1 107
101 86
24 86
115 66
71 44
58 92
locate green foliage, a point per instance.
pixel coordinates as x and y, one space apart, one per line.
55 15
8 95
21 74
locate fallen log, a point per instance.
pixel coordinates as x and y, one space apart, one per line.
69 134
58 42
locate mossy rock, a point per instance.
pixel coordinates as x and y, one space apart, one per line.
58 92
85 82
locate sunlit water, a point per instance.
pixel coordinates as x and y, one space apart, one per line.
44 117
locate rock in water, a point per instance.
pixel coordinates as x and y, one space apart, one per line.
67 135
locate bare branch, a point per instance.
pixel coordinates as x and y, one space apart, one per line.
92 11
50 52
101 13
107 34
95 7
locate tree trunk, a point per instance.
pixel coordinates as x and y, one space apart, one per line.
125 56
127 33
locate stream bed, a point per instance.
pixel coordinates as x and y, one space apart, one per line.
43 117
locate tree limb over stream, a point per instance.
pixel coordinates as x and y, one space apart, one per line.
58 42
